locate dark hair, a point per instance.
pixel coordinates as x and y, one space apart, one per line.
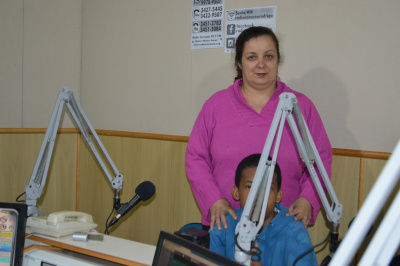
252 161
244 37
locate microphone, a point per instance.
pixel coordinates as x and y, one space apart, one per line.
144 191
334 245
335 242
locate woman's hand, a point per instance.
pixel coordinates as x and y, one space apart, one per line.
301 209
218 213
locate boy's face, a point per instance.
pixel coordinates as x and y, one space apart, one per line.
242 192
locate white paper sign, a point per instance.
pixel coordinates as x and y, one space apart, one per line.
238 20
207 24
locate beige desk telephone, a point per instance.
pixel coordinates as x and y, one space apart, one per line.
61 223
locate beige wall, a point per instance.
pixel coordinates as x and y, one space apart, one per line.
11 47
43 54
130 64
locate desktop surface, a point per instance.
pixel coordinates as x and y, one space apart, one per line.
114 249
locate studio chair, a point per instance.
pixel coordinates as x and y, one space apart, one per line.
191 225
194 232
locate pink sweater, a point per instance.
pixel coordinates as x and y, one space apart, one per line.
229 129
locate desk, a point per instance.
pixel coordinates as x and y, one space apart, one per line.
111 248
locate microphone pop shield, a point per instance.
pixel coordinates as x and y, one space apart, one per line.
145 190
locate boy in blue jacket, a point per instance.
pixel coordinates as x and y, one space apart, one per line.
281 239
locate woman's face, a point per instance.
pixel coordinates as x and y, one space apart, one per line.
259 63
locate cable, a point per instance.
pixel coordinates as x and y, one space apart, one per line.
17 199
107 226
28 236
312 248
256 254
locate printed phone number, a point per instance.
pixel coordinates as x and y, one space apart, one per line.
210 26
210 23
211 15
211 9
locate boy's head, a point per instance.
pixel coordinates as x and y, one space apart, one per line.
252 161
244 178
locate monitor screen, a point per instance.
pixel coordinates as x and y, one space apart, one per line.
12 233
176 251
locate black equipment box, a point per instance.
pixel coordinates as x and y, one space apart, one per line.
198 236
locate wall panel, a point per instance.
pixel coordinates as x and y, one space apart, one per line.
345 178
11 47
18 153
160 161
372 170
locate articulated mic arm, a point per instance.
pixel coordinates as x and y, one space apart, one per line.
38 178
256 204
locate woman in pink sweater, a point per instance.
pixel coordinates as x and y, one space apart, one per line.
234 123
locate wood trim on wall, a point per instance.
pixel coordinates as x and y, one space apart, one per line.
342 152
361 154
37 130
142 135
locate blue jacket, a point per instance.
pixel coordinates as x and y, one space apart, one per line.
281 242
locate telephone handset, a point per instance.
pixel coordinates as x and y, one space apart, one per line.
61 223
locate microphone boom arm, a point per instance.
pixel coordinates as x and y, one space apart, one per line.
39 175
256 204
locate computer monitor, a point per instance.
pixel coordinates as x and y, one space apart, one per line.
12 233
172 250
